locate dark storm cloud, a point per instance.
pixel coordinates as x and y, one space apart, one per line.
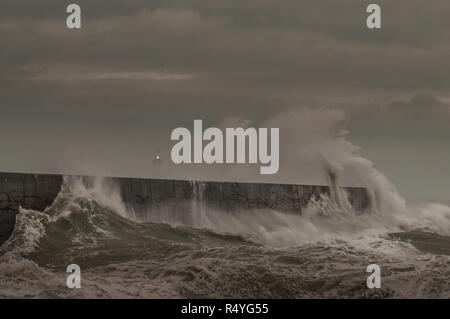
421 104
410 21
423 116
293 42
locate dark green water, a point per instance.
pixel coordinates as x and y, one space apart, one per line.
262 255
425 242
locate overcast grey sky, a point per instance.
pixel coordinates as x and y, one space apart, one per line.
104 99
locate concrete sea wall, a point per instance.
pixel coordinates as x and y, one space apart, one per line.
30 191
38 191
177 195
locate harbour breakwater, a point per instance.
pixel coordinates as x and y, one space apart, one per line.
38 191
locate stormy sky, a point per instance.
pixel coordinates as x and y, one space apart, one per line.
103 100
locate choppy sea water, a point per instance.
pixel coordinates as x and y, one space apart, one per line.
322 253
